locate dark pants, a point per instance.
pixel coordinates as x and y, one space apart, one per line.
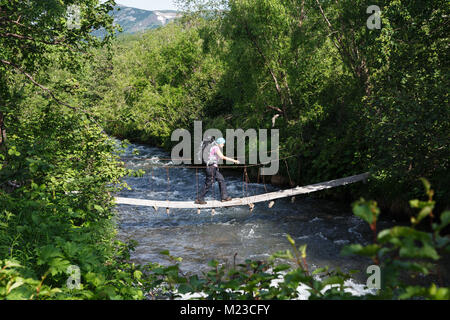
212 174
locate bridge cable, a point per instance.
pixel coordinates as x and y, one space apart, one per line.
168 188
289 175
196 180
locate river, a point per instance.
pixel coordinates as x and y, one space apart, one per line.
324 226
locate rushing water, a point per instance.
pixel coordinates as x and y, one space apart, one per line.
324 226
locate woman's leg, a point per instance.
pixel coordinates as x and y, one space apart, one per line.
209 180
222 185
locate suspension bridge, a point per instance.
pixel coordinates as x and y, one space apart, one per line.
245 201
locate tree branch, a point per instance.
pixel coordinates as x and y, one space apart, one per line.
50 92
266 61
275 108
19 36
343 50
302 14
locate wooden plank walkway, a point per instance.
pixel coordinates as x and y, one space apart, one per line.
247 200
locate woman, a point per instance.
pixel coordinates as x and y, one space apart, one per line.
212 172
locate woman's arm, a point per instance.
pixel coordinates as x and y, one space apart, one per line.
221 156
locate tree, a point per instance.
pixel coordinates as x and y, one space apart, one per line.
33 33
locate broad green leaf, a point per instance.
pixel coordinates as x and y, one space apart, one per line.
369 250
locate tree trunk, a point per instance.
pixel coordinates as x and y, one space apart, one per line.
349 53
267 64
2 130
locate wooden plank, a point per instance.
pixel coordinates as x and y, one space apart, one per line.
244 201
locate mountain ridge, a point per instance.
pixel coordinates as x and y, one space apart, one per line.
134 20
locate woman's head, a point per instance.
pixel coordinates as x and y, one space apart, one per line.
220 142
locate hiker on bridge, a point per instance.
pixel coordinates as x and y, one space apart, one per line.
212 150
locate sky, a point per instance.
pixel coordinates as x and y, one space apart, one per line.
149 4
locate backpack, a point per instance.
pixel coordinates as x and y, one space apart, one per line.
205 149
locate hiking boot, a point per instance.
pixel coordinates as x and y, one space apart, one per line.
200 202
226 199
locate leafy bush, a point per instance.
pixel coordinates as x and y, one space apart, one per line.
56 208
402 253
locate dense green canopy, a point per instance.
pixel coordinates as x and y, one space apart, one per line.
346 98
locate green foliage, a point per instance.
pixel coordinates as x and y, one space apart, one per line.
161 81
345 98
61 214
404 252
58 168
35 32
251 280
409 115
348 99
